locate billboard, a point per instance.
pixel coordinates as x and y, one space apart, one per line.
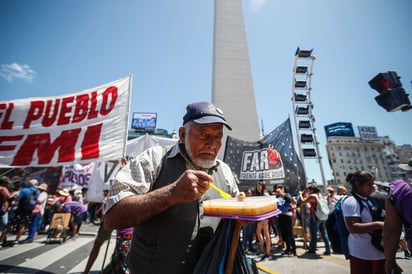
339 129
144 121
368 133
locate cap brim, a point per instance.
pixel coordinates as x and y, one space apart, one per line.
405 166
211 120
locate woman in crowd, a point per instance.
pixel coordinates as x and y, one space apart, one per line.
285 220
262 227
333 198
314 223
248 231
357 210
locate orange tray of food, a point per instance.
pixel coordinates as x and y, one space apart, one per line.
249 208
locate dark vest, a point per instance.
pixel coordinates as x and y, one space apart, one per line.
171 241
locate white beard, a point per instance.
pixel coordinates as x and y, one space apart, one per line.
202 163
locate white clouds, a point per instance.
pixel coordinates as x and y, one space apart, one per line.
16 71
255 5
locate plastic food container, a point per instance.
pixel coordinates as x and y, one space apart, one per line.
250 206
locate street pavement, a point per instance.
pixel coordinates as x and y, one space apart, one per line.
303 263
54 258
313 263
71 257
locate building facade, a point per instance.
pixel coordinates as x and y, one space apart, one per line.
404 153
348 154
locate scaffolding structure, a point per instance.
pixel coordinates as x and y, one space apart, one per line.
304 119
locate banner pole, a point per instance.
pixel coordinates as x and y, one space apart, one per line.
128 114
105 255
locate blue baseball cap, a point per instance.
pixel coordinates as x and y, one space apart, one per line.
204 113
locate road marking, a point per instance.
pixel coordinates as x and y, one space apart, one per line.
266 269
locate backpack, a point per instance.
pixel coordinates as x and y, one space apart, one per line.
340 225
322 209
31 200
377 215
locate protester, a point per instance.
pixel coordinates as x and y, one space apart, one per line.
22 216
333 198
160 194
118 263
101 209
357 210
274 226
248 231
37 213
398 212
379 196
303 214
78 196
404 244
262 227
79 214
5 196
63 196
285 220
314 223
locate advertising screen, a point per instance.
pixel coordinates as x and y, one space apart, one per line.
144 121
339 129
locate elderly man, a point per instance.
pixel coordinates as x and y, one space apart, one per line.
160 194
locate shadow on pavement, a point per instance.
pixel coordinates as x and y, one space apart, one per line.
22 270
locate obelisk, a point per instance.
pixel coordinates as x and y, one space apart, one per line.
232 85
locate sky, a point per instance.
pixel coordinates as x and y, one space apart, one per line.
52 48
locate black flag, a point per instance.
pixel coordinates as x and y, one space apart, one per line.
272 159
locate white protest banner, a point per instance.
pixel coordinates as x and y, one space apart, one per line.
77 128
102 176
76 176
104 173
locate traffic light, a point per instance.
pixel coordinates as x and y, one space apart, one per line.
392 97
385 81
394 100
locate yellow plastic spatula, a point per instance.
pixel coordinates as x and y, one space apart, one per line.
221 192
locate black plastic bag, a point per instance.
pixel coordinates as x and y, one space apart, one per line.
214 257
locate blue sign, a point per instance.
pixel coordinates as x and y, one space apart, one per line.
339 129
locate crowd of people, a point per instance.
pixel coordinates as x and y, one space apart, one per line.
28 207
365 211
368 209
19 219
299 209
164 187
